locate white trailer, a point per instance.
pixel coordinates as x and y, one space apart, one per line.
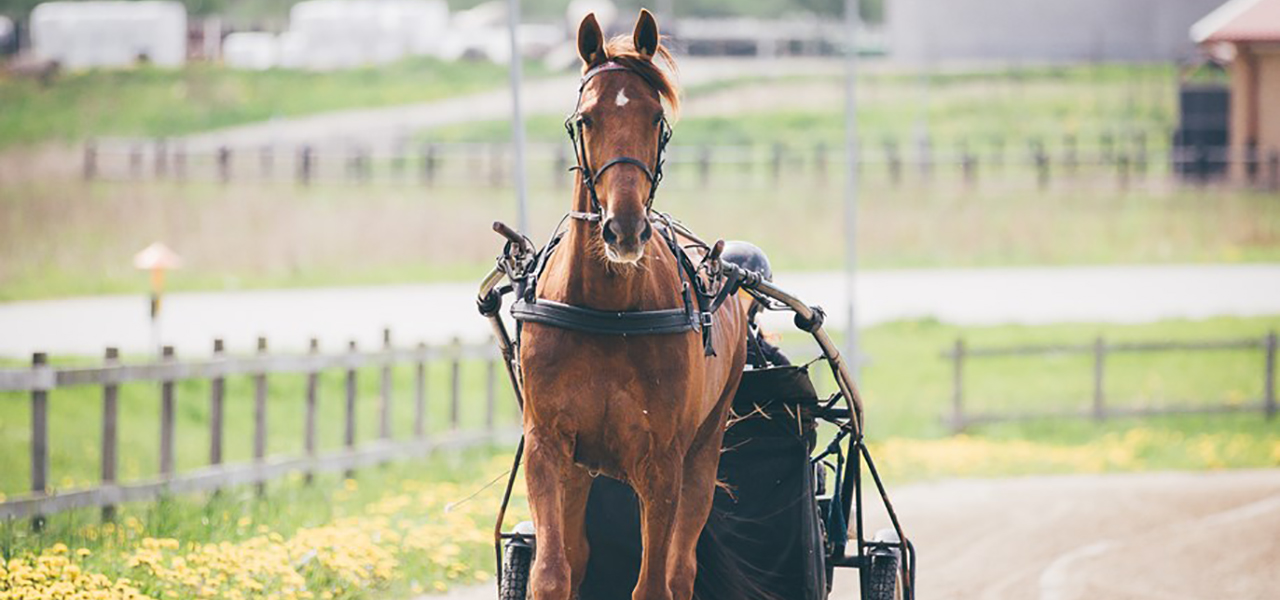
334 34
110 34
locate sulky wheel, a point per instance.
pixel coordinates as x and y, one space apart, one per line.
881 579
517 560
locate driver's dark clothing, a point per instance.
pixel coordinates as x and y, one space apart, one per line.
762 354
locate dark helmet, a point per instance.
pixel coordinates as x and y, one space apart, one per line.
747 256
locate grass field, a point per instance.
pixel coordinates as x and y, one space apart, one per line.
411 527
977 107
164 102
59 238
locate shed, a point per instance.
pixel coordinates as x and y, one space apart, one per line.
1245 34
110 33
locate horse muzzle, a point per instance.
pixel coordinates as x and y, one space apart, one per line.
625 238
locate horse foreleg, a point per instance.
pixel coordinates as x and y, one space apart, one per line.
557 501
696 495
659 492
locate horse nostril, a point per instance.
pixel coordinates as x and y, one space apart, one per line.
609 232
647 233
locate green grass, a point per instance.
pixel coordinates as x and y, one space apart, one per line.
60 238
164 102
75 417
352 517
905 387
979 108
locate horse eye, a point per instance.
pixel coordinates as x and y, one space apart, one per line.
658 119
586 121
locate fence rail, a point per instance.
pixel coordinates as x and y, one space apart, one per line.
1100 349
42 378
1123 161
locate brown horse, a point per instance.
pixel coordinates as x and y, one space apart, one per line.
649 410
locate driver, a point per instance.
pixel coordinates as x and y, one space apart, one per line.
760 353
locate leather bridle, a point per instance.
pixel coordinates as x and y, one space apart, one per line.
574 125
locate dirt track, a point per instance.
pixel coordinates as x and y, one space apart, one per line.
1161 535
1211 536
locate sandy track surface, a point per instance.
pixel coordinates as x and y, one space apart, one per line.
1157 535
1211 536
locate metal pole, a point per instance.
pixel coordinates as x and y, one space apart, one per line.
517 119
851 180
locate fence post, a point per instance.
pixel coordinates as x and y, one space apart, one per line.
957 386
180 161
135 161
429 164
266 161
1071 156
306 165
495 165
820 161
161 158
349 430
1269 391
1099 395
167 416
90 160
1041 159
1140 154
1273 171
704 165
894 160
455 383
224 164
110 411
420 393
260 408
775 163
384 426
39 427
1122 170
309 431
968 165
560 166
217 393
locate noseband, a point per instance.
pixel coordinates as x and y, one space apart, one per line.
574 125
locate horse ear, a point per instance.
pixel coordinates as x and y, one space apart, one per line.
590 40
645 37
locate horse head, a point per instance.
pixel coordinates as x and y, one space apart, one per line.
619 130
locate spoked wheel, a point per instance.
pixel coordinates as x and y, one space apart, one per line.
517 560
882 579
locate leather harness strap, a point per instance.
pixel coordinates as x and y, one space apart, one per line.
699 303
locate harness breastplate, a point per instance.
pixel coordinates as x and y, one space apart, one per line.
696 315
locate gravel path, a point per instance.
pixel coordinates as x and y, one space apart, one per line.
435 313
1211 536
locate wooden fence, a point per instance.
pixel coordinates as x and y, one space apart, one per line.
960 354
1120 161
42 378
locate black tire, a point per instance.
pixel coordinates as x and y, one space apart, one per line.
517 559
881 580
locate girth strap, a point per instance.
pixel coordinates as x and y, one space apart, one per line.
589 320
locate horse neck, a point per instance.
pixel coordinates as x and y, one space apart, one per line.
579 274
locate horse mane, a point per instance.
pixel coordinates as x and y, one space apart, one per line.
621 49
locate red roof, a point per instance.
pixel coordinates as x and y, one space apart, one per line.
1240 21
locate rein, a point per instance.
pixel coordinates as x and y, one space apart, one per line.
574 125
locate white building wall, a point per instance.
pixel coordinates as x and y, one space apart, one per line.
1042 30
110 34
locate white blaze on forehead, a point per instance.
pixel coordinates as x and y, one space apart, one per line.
622 98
